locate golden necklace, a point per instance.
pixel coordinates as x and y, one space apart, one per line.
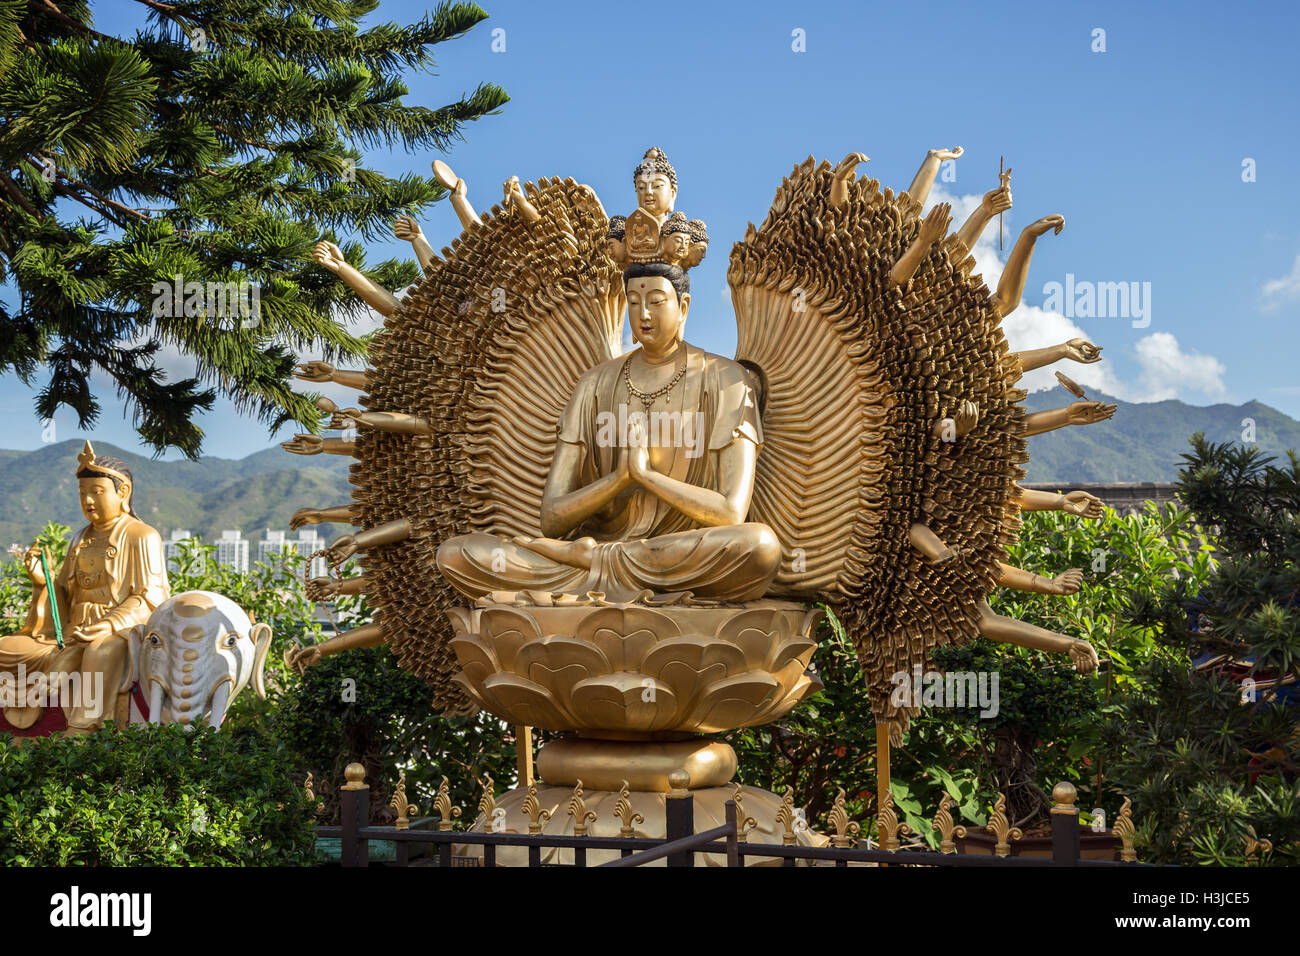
648 398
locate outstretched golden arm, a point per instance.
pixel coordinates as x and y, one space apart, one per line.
301 658
925 176
348 545
1081 504
325 372
407 228
1076 413
1012 284
380 299
397 422
340 514
315 445
995 201
933 228
1007 630
1077 350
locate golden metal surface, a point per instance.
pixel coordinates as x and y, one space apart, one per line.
1001 828
944 826
403 806
442 806
532 808
355 774
888 829
624 812
578 810
513 812
846 830
862 336
644 764
1125 830
744 822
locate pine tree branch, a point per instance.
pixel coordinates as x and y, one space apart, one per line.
19 198
78 184
48 7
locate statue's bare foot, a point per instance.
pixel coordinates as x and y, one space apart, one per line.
1084 657
576 554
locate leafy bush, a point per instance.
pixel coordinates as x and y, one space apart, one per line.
148 795
1212 772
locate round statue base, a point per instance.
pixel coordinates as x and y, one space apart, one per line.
641 764
710 811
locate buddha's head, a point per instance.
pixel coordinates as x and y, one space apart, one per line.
656 183
675 246
699 243
104 488
658 298
614 239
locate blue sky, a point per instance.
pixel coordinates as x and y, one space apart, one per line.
1140 147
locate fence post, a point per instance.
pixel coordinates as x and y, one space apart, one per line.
679 816
1065 825
354 808
733 843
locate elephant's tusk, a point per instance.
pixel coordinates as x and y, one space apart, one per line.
220 698
155 702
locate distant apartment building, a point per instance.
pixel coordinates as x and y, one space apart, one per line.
308 542
172 547
232 551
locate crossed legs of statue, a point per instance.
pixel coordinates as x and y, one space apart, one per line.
733 563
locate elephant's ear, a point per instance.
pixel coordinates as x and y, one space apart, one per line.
134 638
261 635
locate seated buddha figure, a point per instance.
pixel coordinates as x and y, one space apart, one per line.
112 579
651 479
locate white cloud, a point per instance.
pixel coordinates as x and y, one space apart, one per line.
1277 292
1166 370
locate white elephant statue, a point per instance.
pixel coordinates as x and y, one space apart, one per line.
194 655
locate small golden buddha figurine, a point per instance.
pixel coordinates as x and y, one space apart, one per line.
112 579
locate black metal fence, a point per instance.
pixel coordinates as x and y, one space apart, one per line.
679 847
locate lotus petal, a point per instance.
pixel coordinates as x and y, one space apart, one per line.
521 701
625 701
505 630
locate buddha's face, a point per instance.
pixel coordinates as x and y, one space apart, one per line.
655 315
655 193
677 245
696 254
101 503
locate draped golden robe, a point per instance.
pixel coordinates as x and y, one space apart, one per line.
644 545
119 579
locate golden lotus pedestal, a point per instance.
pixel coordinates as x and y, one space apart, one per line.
637 685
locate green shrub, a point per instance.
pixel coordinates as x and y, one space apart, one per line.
152 796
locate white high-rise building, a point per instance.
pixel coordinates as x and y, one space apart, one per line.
172 547
270 548
232 551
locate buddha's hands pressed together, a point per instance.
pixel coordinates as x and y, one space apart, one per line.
329 255
638 450
315 372
1089 413
1083 505
1082 351
1055 222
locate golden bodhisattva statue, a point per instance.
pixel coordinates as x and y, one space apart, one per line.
629 548
113 578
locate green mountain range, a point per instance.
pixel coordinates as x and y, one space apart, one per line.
205 497
1142 442
1145 441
